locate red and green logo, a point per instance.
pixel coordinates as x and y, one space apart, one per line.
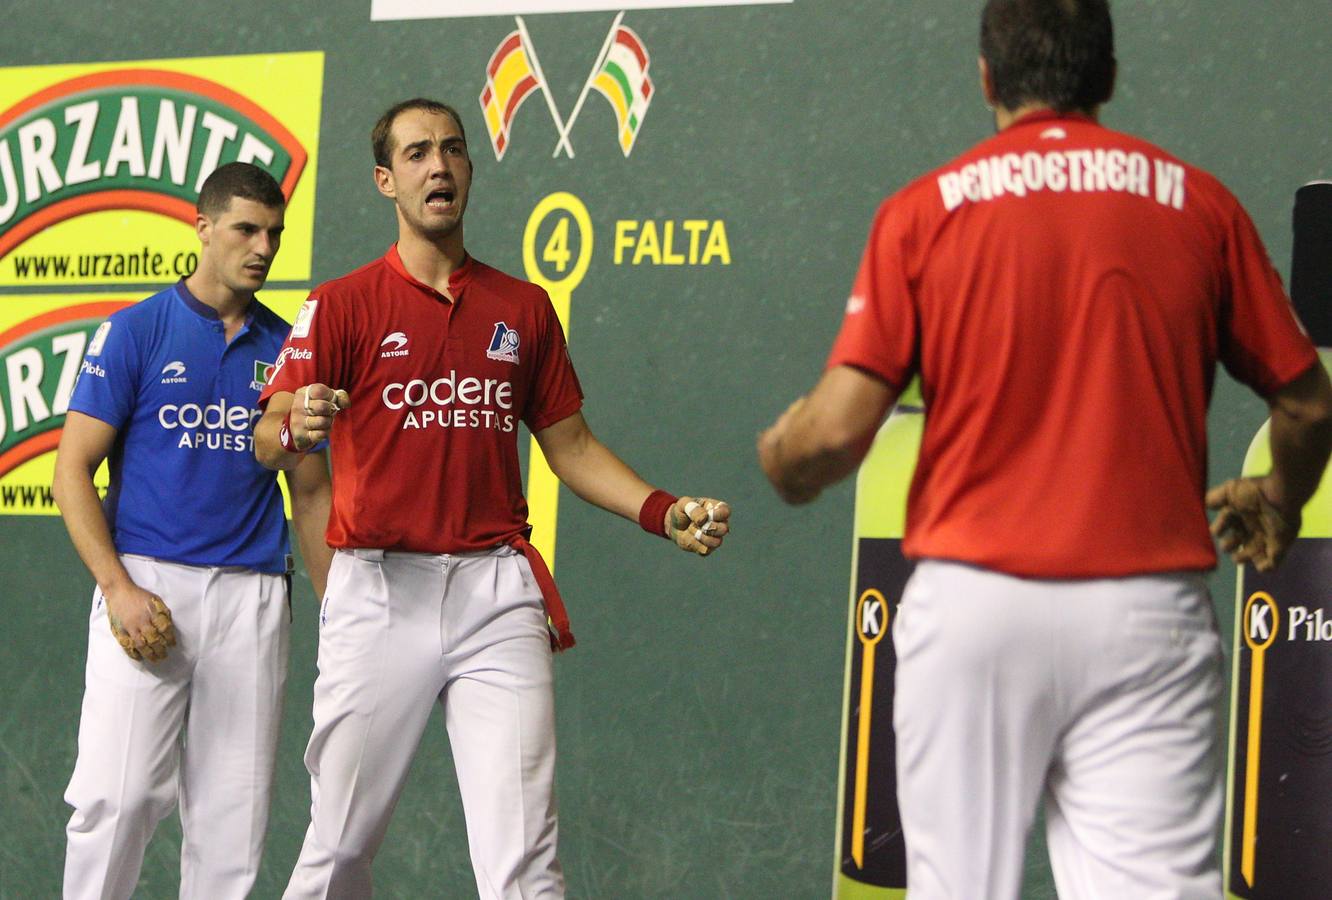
142 139
40 359
263 371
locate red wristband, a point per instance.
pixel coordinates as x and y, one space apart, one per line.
652 516
286 438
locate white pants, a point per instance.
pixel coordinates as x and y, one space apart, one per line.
200 726
1101 695
399 633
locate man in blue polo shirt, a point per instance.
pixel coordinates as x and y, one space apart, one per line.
189 550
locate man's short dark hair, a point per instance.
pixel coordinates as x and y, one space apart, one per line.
1056 52
238 179
381 136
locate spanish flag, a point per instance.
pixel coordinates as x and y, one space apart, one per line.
623 79
511 76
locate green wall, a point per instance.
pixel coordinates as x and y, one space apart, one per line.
699 715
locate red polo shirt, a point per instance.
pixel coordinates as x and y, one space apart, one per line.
1065 292
426 457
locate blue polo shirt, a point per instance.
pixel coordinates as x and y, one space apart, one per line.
185 485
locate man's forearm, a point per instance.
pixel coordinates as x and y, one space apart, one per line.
1301 439
601 478
81 509
309 519
310 525
268 447
821 438
804 461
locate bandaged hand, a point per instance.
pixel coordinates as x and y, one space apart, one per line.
141 623
698 524
1248 526
312 413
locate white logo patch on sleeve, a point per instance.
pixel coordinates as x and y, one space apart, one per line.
99 339
304 319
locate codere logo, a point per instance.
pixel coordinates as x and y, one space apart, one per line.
215 426
452 402
140 139
41 359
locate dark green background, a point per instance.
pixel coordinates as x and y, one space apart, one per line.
699 715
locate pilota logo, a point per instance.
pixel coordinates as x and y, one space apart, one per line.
620 74
139 139
40 359
298 353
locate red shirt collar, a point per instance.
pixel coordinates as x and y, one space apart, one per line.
1047 115
458 278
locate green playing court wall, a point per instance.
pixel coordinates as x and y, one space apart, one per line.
699 715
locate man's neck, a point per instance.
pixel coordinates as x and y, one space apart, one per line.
431 261
1004 117
231 306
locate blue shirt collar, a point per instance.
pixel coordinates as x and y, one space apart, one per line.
201 309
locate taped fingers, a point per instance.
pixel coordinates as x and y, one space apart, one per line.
162 621
709 516
151 644
1248 527
699 524
126 642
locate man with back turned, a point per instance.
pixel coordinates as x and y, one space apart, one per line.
1064 293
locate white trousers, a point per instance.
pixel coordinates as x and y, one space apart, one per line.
200 727
1102 696
399 633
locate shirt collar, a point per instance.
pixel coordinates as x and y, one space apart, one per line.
458 278
194 304
1049 115
201 309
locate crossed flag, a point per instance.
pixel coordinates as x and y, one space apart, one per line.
620 74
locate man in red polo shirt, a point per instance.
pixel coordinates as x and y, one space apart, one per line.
1064 293
429 360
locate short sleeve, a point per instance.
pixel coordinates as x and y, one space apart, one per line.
556 393
108 381
880 327
1262 342
313 352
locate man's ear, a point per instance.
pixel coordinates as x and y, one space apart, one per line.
384 181
987 83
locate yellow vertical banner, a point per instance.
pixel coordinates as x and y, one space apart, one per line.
1260 630
871 624
559 270
870 859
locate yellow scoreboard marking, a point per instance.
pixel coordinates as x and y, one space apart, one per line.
871 623
543 488
1260 619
